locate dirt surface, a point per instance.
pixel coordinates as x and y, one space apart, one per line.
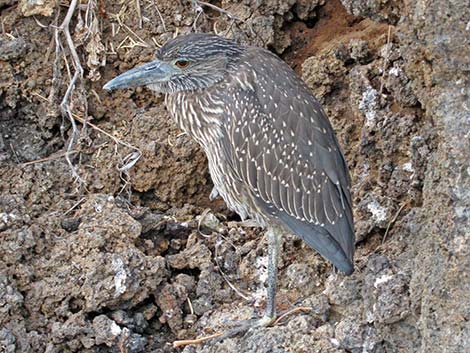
121 250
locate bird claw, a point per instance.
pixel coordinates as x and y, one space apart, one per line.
243 327
265 321
249 223
235 323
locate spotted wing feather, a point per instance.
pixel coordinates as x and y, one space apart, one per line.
285 149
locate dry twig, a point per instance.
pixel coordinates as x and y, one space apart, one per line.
198 8
78 74
73 104
48 159
235 289
132 37
290 312
387 54
216 255
199 11
196 341
213 7
128 161
191 309
159 14
139 13
392 222
75 205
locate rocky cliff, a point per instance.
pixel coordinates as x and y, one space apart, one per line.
108 240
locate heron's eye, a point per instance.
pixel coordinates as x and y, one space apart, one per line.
182 63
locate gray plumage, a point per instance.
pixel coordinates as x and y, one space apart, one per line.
273 155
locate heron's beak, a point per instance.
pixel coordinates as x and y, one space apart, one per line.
152 72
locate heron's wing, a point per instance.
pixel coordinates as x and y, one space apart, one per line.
284 148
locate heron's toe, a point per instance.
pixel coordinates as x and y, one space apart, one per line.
242 327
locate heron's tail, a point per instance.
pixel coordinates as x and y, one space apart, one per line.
322 241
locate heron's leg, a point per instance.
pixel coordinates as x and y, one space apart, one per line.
274 243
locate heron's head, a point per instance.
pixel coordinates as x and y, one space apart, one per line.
190 62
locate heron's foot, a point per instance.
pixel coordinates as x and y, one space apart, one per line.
248 223
241 327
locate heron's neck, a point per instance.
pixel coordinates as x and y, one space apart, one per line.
198 113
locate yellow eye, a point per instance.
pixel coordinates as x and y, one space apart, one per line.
182 63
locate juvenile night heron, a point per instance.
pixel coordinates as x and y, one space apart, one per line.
273 155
